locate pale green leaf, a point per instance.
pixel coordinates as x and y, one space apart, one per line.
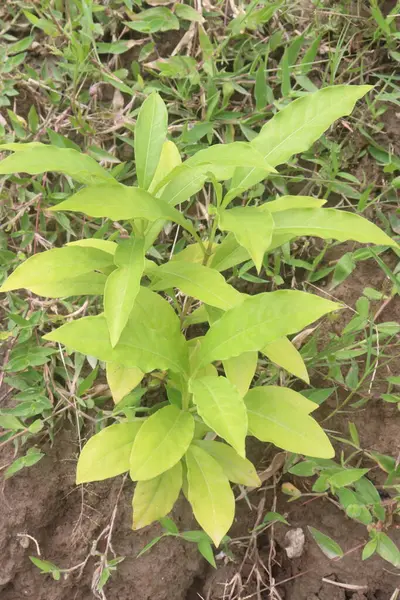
252 228
279 422
198 281
107 453
104 245
152 20
150 133
120 202
169 159
187 13
221 407
295 128
329 223
123 286
388 550
87 284
236 154
240 370
346 477
41 158
329 547
122 380
162 441
209 494
154 498
284 354
278 395
228 254
290 202
236 468
261 319
193 253
52 266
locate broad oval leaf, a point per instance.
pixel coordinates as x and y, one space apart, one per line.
236 154
252 227
286 397
241 369
123 286
87 284
120 202
284 354
278 422
107 453
387 549
42 158
329 223
162 441
222 408
209 494
150 133
236 468
154 498
291 202
329 547
295 128
122 380
198 281
261 319
51 266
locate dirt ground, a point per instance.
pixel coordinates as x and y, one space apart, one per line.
44 503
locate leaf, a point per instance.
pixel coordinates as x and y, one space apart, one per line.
107 453
155 498
163 440
209 494
169 159
346 477
119 203
41 158
328 223
198 281
328 546
45 268
122 380
152 20
123 286
221 407
228 254
252 228
10 422
87 284
273 418
261 319
291 202
295 128
241 369
284 354
236 468
150 133
369 548
387 549
204 547
151 339
104 245
367 491
187 13
236 154
288 397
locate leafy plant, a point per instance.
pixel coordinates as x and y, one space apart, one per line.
148 307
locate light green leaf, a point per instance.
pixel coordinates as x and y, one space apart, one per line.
52 266
278 422
107 453
252 228
290 202
236 468
221 407
187 13
329 547
193 253
150 133
122 380
228 254
169 159
154 498
152 20
329 223
240 370
41 158
209 494
120 202
261 319
236 154
285 396
123 286
87 284
369 549
295 128
162 441
387 549
284 354
346 477
198 281
182 183
104 245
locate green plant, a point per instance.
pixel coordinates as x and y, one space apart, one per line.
145 319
